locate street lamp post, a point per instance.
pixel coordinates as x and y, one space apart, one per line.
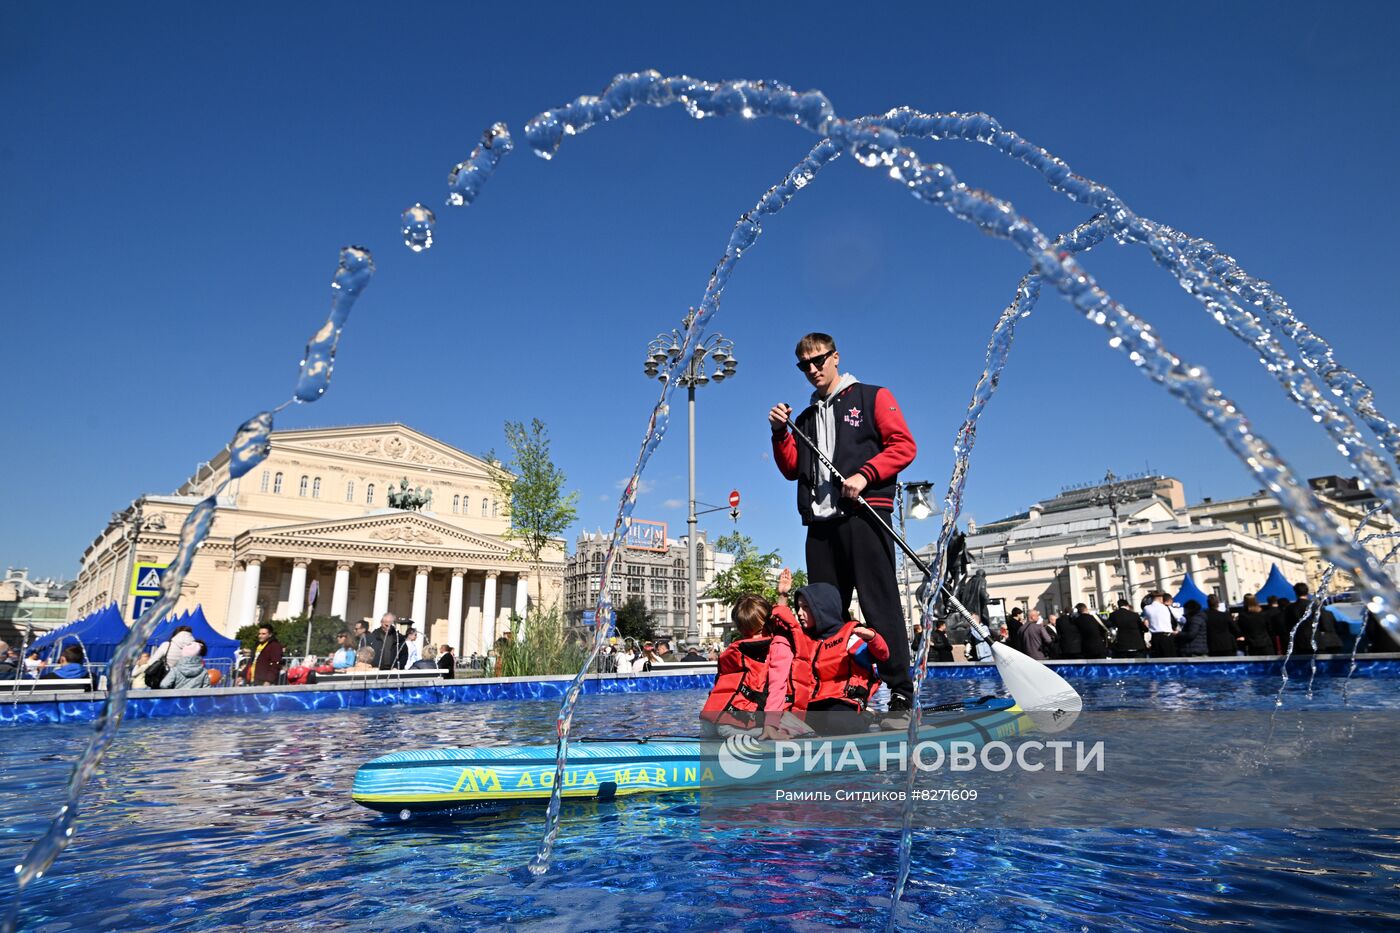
1113 496
917 507
666 348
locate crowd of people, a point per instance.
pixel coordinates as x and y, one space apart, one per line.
394 645
635 656
1160 628
71 664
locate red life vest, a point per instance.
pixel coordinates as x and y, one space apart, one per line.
741 686
825 670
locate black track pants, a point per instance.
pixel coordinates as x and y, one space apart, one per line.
852 552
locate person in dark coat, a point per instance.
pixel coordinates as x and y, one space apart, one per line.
1281 622
1191 641
1013 628
387 643
1377 640
940 649
265 666
446 662
1223 636
1328 641
1128 629
1253 623
1070 646
1037 637
1093 637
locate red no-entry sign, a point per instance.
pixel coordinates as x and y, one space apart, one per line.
733 498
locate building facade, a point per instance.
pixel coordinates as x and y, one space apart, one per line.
1066 550
1349 506
36 606
316 510
660 577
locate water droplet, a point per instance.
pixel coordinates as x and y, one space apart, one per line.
404 814
418 228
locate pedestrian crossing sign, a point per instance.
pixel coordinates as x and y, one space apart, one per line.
146 579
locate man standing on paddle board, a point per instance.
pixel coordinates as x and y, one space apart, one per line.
860 428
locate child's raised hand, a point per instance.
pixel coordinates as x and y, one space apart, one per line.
864 632
784 582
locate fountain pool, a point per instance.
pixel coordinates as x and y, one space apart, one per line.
246 821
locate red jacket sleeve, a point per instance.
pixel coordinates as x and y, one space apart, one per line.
898 447
785 454
878 649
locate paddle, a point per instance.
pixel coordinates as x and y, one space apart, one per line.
1046 696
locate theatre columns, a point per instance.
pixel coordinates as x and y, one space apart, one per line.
488 611
252 577
420 598
296 595
381 592
340 592
454 612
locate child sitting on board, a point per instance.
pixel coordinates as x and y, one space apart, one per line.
739 697
833 667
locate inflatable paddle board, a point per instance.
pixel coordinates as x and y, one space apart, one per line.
465 778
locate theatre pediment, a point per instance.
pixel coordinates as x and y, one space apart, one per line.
391 445
387 529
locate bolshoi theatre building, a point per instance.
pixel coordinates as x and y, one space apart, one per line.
317 511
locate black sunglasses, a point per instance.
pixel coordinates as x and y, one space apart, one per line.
818 361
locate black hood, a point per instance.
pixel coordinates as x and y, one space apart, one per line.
824 601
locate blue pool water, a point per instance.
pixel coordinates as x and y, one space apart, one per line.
246 821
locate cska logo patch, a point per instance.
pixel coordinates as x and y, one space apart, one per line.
853 417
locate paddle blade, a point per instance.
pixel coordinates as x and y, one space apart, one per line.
1047 698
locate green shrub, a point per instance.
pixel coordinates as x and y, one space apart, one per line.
541 643
292 634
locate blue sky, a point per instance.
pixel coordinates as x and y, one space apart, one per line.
177 179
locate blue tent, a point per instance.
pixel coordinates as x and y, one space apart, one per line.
164 627
99 634
221 647
1189 591
1276 585
44 641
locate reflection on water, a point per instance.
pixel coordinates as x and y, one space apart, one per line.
235 821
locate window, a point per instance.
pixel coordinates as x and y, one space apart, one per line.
483 507
277 484
456 504
265 477
466 505
350 491
369 494
303 485
494 507
316 488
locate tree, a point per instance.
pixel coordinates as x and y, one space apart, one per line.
533 488
754 571
635 621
